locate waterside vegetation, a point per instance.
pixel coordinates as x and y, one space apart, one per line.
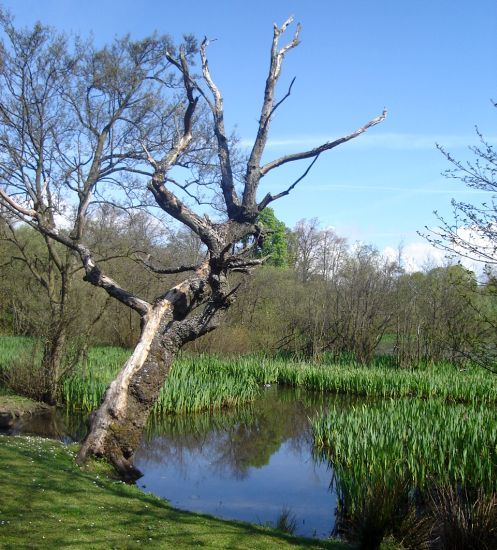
208 381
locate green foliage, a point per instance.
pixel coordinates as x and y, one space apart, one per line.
194 383
199 385
204 381
444 381
414 472
275 244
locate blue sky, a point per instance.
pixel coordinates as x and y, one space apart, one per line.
432 63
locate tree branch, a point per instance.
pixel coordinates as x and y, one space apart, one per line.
324 147
253 174
270 198
17 207
164 270
179 211
227 182
96 277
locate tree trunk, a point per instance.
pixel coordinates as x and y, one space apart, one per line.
53 353
117 426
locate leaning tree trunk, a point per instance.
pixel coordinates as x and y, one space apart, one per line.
117 426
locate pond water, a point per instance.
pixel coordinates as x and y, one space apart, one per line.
254 464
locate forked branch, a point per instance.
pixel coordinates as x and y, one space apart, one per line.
253 166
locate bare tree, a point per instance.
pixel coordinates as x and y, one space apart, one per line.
125 122
472 233
307 238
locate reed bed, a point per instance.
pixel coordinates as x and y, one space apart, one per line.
444 381
222 381
191 386
417 442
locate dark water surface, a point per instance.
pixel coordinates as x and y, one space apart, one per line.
254 464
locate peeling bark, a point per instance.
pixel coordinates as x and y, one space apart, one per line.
117 426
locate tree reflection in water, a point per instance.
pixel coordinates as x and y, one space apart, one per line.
249 463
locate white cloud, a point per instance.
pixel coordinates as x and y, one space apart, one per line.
422 256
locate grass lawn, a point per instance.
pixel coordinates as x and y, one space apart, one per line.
47 501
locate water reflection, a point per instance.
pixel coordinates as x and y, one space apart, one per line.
54 423
254 464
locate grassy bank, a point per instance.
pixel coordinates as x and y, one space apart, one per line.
16 405
46 501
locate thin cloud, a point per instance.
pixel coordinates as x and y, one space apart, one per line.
422 256
390 141
392 189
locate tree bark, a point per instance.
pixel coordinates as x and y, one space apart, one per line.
117 426
53 354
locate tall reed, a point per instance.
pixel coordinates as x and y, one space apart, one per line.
413 440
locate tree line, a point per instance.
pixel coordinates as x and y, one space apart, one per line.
317 294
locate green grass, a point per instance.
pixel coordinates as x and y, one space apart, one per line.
11 347
46 501
193 385
412 441
443 381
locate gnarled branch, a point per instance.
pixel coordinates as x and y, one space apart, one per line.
95 276
253 175
227 182
164 270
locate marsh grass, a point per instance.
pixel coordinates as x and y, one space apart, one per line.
286 521
382 513
423 473
192 385
204 381
463 519
410 439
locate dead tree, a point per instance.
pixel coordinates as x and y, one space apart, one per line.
125 135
